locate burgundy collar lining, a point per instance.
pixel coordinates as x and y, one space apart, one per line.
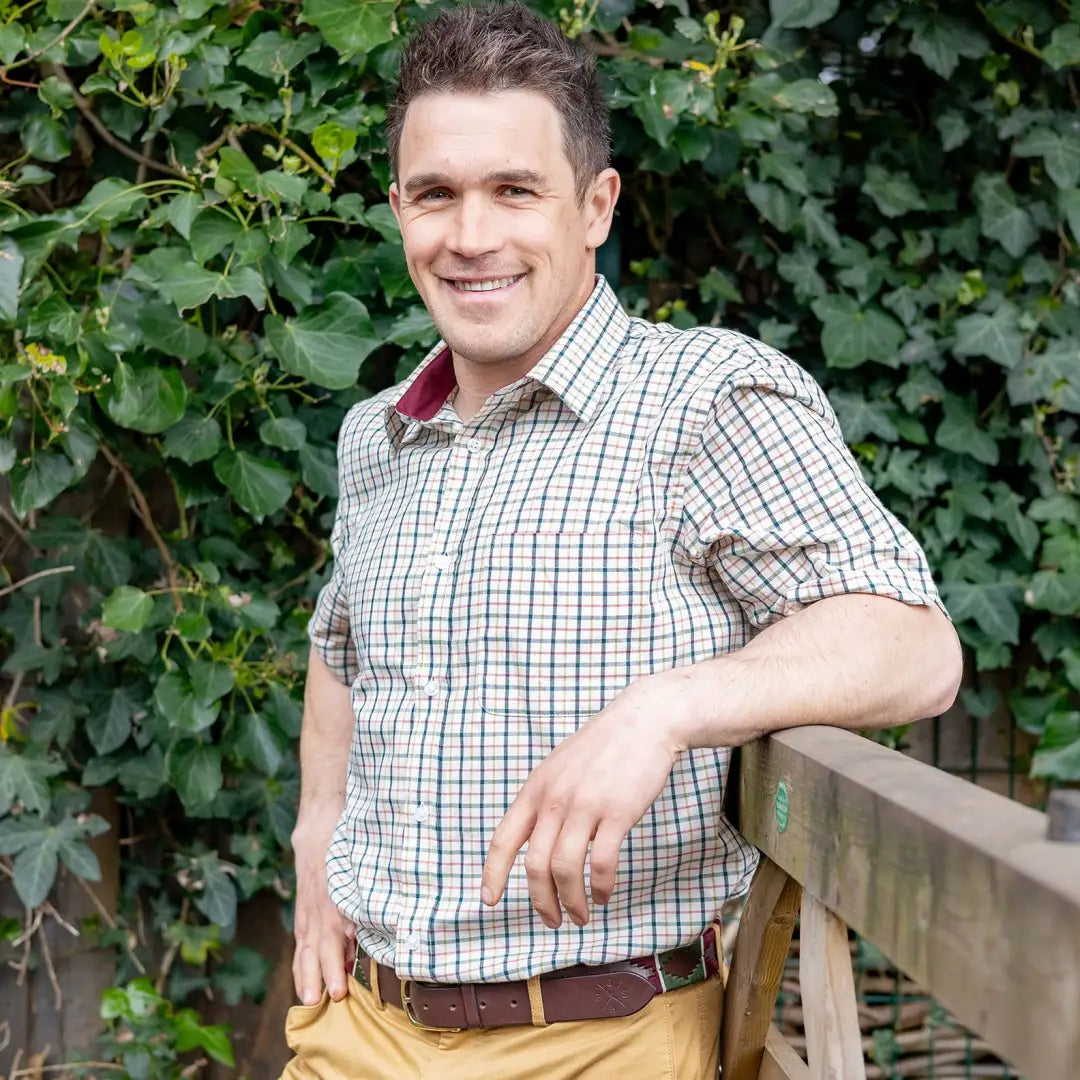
430 389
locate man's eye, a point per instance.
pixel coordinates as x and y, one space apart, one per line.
517 192
435 195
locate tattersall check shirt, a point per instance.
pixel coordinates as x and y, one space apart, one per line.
645 498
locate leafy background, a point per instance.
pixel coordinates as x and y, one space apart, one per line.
199 275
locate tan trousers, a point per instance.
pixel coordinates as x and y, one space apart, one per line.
675 1037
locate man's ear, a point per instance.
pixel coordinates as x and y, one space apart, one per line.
395 202
600 206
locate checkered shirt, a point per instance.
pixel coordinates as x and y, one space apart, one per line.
644 498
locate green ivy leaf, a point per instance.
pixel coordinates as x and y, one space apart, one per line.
12 41
861 416
260 487
954 130
110 200
213 1039
1054 591
127 608
45 138
808 96
80 860
210 680
1069 204
146 399
37 483
212 231
352 26
774 203
1052 376
1000 218
11 265
318 470
1060 154
327 344
195 772
274 56
24 778
1063 49
258 743
853 335
188 285
166 332
177 702
108 728
992 607
996 335
284 432
35 871
1058 753
894 193
802 14
193 439
959 431
939 41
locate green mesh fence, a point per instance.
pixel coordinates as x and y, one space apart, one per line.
907 1035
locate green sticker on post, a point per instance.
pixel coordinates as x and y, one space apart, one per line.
783 806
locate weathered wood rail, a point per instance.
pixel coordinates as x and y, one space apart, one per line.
964 890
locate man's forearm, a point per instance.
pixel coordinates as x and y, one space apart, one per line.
325 738
854 661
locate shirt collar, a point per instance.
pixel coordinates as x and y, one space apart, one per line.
576 367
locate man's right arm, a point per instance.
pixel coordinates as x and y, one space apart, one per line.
326 734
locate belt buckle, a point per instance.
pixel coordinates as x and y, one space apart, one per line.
406 1006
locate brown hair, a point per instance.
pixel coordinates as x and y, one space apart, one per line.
483 50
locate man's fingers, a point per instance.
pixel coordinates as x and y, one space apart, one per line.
542 890
568 869
603 860
332 958
307 974
506 841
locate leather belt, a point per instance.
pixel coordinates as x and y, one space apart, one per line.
582 992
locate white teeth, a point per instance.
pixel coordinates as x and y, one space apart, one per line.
484 286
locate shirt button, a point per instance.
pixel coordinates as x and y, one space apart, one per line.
441 561
412 942
431 688
475 446
421 813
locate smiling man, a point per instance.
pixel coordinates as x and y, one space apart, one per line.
579 557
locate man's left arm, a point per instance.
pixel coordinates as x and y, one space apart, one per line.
853 661
851 634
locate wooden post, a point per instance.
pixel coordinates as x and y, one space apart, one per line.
1063 815
830 1010
757 967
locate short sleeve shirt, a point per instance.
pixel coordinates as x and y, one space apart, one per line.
644 498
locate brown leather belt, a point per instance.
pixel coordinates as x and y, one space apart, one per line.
575 993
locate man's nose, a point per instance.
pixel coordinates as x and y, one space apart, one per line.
476 228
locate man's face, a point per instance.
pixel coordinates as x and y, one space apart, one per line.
496 241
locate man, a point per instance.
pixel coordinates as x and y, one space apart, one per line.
578 557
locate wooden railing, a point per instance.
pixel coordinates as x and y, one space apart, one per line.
973 896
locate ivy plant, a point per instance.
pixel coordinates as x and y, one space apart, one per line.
199 274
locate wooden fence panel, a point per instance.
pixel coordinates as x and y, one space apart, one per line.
957 886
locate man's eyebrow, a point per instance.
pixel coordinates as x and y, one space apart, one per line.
513 177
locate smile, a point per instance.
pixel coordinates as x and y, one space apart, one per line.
491 285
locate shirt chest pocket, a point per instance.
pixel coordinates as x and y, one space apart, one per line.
558 620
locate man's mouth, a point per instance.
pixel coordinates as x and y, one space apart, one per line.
485 285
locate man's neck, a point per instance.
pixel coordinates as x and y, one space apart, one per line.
476 382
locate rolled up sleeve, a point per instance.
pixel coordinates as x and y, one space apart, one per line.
779 509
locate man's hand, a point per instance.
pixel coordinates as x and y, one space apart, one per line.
593 787
325 943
